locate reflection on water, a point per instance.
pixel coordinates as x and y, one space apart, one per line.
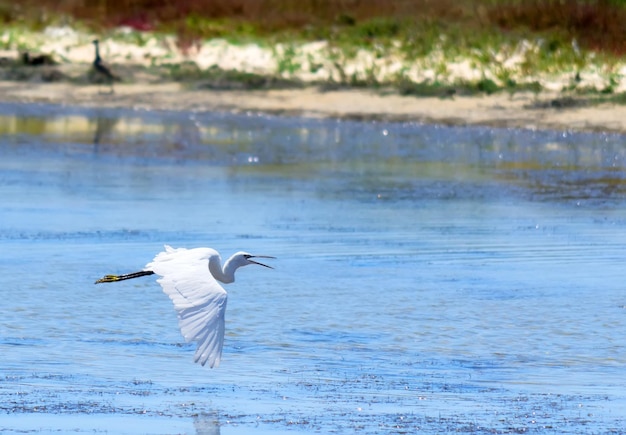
429 278
393 159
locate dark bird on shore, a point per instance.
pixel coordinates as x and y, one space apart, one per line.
37 59
101 69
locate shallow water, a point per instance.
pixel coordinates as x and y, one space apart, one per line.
428 278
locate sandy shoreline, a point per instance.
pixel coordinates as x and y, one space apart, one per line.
150 65
500 110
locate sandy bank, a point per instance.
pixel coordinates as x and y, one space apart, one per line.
148 64
521 110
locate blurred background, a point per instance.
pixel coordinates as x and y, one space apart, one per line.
595 24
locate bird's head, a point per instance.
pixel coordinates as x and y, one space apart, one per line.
245 259
95 41
240 259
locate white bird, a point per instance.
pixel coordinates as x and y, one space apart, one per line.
190 278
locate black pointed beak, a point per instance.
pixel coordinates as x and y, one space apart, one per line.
250 259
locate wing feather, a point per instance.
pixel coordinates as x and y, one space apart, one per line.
198 298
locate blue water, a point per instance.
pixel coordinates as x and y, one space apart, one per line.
429 279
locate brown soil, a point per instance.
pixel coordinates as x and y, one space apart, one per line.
521 110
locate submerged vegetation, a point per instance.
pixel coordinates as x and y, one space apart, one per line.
419 47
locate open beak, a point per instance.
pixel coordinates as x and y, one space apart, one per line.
250 259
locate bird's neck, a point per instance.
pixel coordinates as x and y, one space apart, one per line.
224 274
97 53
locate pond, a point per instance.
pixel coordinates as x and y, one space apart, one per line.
428 278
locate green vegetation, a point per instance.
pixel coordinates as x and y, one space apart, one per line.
217 78
418 47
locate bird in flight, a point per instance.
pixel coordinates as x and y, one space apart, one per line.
190 278
101 69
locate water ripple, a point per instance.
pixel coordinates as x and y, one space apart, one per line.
430 279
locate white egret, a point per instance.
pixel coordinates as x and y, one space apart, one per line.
190 278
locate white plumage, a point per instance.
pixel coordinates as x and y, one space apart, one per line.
197 296
190 278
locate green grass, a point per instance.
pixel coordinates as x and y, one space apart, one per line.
561 37
220 79
595 24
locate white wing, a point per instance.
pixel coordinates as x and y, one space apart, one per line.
199 300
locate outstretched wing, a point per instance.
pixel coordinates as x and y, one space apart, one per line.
199 300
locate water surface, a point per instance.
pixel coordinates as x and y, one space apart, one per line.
429 278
